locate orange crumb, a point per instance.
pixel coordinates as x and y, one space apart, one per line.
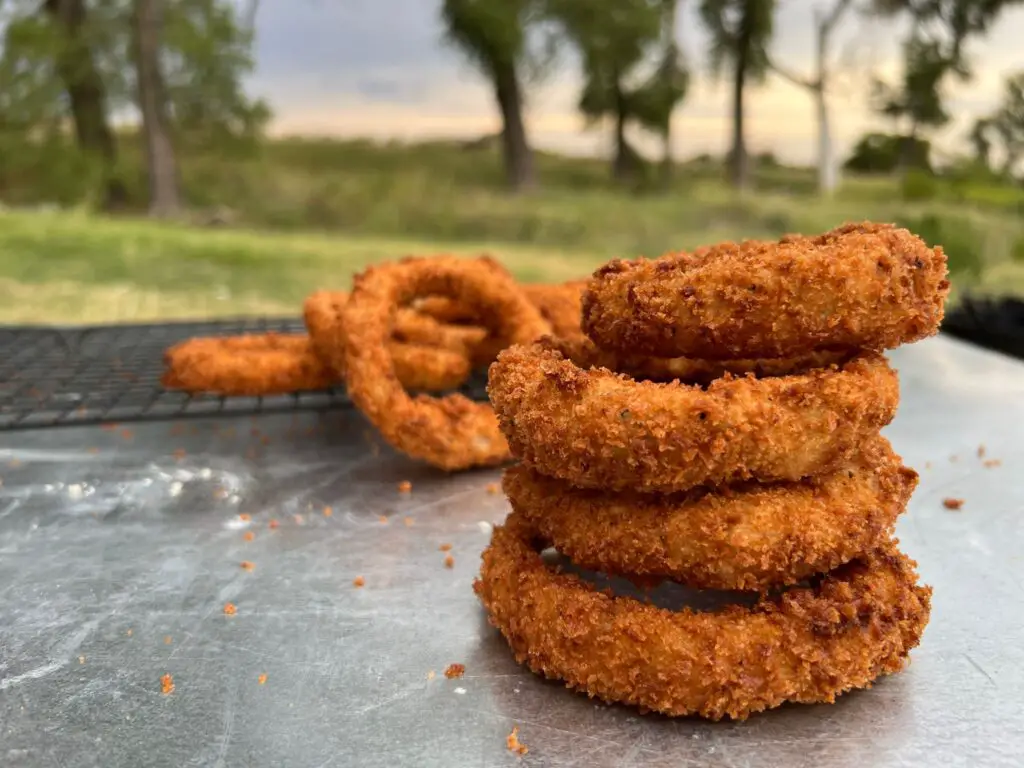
513 743
993 463
230 609
449 561
127 434
166 684
273 524
981 451
445 548
179 453
454 671
492 488
431 675
167 639
247 566
408 522
245 517
328 511
249 536
358 581
262 678
383 519
405 487
952 503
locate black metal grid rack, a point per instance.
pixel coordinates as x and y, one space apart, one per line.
86 375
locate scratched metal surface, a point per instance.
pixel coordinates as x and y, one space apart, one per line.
109 544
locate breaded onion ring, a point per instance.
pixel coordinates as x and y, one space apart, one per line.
452 432
246 365
860 286
418 367
560 305
745 537
597 429
807 645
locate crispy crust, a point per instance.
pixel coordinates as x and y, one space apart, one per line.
747 537
597 429
560 305
417 366
807 645
858 286
247 365
452 432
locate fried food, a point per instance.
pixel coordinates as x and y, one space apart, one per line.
808 644
745 537
247 365
598 429
417 366
861 286
560 304
452 432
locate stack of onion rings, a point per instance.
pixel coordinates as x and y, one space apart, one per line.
719 428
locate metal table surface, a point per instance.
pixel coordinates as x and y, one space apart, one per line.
117 556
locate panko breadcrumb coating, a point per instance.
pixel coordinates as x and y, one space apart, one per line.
807 645
860 286
597 429
746 537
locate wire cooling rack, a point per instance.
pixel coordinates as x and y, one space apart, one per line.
86 375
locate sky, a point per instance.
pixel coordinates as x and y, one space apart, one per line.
380 68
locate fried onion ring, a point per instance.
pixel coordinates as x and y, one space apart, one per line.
418 367
560 305
246 365
745 537
452 432
859 286
598 429
806 645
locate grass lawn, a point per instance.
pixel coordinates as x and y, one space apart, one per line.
75 268
307 215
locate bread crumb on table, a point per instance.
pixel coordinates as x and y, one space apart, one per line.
449 561
445 548
328 511
262 678
454 671
166 684
358 581
249 536
952 503
405 487
514 744
247 566
230 609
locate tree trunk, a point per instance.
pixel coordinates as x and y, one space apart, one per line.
160 161
739 165
828 172
519 170
668 31
86 95
622 165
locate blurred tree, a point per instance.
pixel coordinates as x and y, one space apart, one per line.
740 32
656 99
818 84
915 104
492 33
881 152
161 165
78 60
614 41
1004 127
86 91
934 50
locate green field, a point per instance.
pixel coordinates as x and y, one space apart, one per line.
299 215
